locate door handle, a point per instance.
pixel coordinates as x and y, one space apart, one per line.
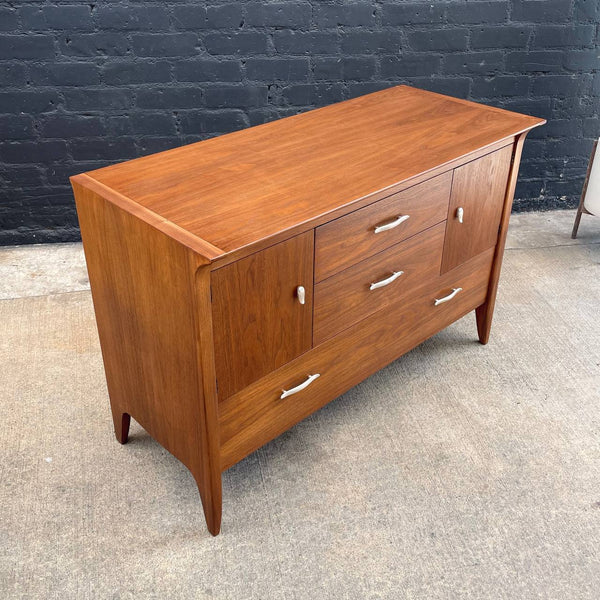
299 388
460 213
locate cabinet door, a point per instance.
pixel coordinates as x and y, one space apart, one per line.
259 320
476 201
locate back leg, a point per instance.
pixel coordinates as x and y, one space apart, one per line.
122 422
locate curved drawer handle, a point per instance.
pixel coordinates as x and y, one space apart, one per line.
384 282
391 225
300 387
448 297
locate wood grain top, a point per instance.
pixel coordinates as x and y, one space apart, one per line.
242 188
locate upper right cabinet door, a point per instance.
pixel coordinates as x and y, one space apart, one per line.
476 201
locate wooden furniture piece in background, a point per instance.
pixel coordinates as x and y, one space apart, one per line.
243 282
590 196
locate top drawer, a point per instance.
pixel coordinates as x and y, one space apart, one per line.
351 238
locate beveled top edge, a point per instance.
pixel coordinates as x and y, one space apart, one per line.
205 250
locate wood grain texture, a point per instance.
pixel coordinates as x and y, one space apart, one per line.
479 188
146 301
256 415
485 312
259 322
204 251
241 188
345 298
344 209
349 239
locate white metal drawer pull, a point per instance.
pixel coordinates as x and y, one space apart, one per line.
300 387
301 293
460 213
384 282
391 225
448 297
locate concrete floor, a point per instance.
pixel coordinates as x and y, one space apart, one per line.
459 471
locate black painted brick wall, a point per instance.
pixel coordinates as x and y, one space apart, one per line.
88 84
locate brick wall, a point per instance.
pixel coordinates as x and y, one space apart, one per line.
85 85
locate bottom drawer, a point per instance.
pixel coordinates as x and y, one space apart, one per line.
258 413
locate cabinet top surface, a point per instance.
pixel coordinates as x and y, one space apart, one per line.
238 189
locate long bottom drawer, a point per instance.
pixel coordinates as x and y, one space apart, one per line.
257 414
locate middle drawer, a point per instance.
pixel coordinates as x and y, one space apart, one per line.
345 241
376 282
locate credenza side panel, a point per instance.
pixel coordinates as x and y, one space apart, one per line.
144 291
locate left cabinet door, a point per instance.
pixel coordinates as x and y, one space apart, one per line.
259 320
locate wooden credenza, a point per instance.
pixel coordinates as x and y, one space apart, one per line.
243 282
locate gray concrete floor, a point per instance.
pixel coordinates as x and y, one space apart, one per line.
458 471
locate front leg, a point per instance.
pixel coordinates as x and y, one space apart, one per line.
485 312
212 499
483 315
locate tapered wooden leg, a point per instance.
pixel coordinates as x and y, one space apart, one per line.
122 421
485 312
212 502
483 315
207 467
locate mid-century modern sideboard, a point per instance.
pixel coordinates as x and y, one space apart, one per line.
242 282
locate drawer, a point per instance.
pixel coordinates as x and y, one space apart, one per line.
351 238
258 413
370 285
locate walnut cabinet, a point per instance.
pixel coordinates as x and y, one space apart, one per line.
243 282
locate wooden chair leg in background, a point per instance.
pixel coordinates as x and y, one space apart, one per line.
581 208
580 211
